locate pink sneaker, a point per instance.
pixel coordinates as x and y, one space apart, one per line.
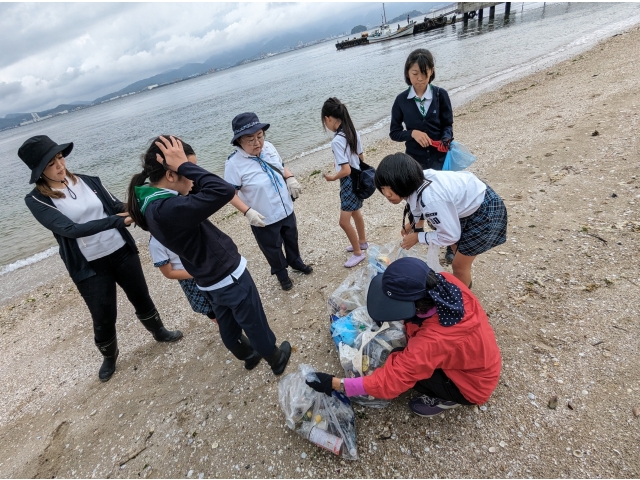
355 260
363 246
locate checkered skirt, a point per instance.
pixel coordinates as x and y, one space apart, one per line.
198 302
486 227
348 200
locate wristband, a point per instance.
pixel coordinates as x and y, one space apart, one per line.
245 212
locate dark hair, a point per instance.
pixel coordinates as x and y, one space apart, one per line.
154 171
335 108
401 173
426 303
424 59
43 187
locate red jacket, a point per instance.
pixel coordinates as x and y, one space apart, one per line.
467 352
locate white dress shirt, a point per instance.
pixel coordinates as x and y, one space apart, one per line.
254 185
342 154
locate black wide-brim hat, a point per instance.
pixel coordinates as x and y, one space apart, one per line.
246 124
37 151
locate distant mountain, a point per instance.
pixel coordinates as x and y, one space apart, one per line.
369 14
358 29
403 17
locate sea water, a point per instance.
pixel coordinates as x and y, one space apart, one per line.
287 91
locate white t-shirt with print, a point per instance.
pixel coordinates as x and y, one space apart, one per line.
448 197
342 156
254 186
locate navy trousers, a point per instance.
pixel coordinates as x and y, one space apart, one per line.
270 240
238 307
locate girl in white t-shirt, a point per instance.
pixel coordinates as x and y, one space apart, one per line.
464 212
347 153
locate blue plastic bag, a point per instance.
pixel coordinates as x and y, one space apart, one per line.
458 157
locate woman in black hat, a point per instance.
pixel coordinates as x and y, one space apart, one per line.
265 191
451 357
90 224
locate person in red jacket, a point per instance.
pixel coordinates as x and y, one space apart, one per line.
451 357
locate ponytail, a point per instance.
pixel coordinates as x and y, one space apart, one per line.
133 206
336 109
152 170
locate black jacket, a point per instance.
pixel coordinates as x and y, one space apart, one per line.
438 124
182 225
67 232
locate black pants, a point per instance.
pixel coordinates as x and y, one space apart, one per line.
122 267
270 240
441 386
238 307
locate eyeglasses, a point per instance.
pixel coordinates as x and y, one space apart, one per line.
252 141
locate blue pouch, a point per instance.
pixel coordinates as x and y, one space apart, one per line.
458 157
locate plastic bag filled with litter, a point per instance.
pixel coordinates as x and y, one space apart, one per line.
352 292
363 347
380 256
430 255
458 157
328 422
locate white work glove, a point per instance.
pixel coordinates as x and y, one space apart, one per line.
255 218
294 187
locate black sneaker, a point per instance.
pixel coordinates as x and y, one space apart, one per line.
286 284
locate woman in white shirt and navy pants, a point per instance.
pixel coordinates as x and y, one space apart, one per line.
265 192
90 224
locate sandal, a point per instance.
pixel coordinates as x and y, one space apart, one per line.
363 246
354 260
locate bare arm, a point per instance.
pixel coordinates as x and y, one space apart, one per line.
345 171
168 271
239 204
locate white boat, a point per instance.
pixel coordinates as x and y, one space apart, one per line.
385 33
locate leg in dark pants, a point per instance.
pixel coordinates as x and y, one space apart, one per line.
99 293
128 274
270 240
238 307
440 386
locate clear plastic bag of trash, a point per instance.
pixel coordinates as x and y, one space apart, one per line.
381 256
430 255
328 422
458 157
346 329
352 292
363 347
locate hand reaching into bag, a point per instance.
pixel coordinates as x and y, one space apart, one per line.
294 187
324 383
255 218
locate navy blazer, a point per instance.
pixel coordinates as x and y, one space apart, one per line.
438 124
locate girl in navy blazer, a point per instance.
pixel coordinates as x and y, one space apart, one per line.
425 111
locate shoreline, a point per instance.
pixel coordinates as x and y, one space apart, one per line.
25 277
562 297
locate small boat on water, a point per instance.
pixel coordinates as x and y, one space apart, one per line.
385 33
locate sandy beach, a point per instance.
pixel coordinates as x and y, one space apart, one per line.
561 148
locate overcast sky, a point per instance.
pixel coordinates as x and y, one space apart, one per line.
63 52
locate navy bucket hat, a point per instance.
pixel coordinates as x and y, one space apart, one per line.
393 294
37 151
246 124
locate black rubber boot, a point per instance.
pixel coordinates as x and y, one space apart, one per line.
109 351
244 351
152 322
279 358
449 255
